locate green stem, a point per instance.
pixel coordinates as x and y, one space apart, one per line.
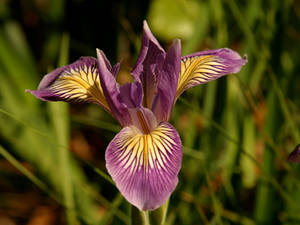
139 217
158 216
59 115
145 217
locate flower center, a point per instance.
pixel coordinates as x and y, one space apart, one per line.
143 122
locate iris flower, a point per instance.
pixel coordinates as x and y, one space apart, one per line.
144 158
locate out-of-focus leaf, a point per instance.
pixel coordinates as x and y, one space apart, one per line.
248 167
174 18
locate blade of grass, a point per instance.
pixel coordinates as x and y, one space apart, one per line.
106 203
27 173
268 177
23 123
96 123
248 168
264 207
244 26
104 175
285 109
49 139
113 209
17 39
216 205
232 127
59 116
208 110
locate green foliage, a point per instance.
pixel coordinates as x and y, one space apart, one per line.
236 131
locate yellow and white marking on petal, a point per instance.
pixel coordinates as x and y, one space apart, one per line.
198 69
79 85
150 150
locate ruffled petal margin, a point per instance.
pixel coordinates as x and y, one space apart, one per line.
145 166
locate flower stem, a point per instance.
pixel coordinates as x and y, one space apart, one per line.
145 217
158 216
139 217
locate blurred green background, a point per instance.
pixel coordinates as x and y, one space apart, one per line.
237 131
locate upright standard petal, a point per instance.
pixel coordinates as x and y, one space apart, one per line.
202 67
146 39
144 69
145 166
77 82
168 69
111 91
132 94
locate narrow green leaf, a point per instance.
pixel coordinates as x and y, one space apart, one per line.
59 114
27 173
248 167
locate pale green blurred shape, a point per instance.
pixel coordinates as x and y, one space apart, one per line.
171 19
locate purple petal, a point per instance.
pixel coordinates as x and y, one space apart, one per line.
294 156
111 91
115 69
143 119
77 82
144 69
132 94
168 72
202 67
145 167
105 60
147 38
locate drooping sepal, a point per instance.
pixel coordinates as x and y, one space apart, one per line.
202 67
145 166
77 82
